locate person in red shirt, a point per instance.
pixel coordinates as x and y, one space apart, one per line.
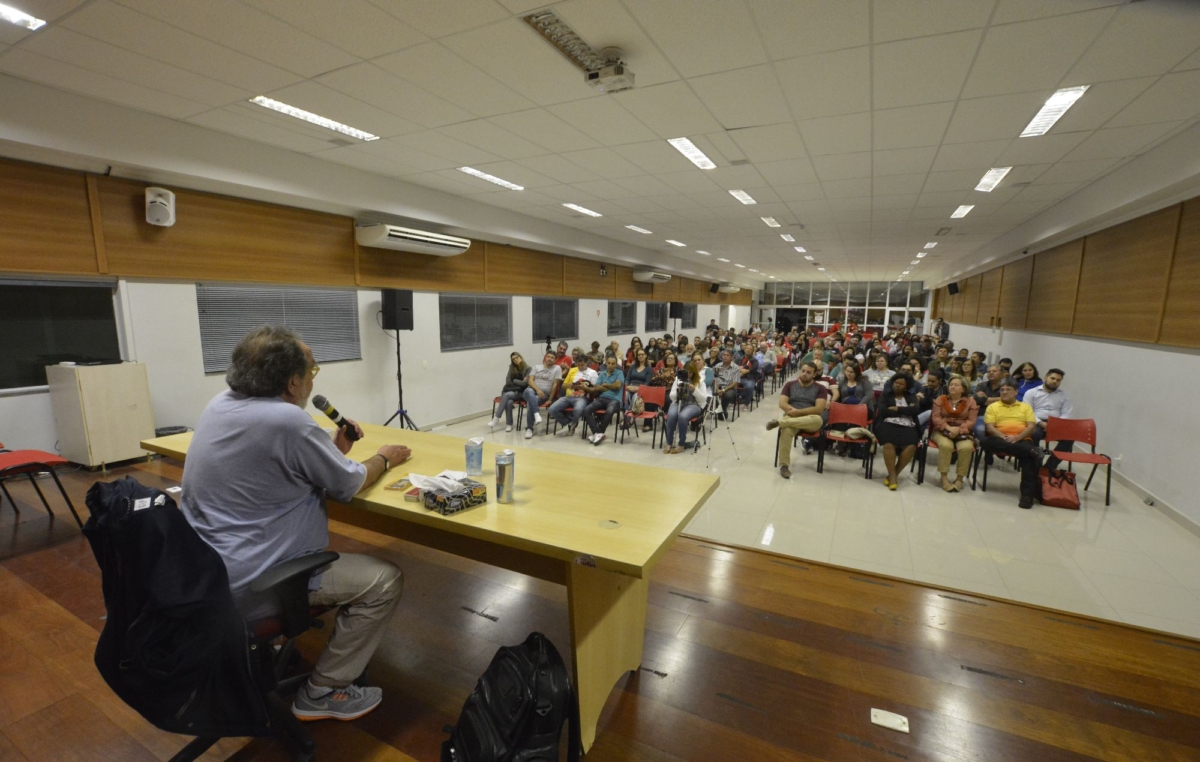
562 359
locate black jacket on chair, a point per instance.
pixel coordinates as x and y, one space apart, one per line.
174 646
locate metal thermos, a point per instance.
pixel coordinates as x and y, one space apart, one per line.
505 466
474 448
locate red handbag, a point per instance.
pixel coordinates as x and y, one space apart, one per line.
1058 489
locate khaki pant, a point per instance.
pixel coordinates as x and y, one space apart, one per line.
788 427
367 589
946 448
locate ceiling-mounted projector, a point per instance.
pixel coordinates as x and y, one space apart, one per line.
728 288
613 77
379 235
650 275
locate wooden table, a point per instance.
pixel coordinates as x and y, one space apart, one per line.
595 525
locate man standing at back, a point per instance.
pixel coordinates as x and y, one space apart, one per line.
803 401
254 486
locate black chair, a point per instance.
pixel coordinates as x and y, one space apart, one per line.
283 587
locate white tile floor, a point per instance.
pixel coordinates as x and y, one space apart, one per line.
1127 562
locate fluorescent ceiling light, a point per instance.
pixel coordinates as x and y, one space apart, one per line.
931 244
583 210
787 237
809 258
636 229
20 18
753 270
675 243
905 272
741 266
963 210
915 262
920 255
692 153
705 253
312 118
992 178
771 223
491 178
1055 107
722 259
772 277
822 269
743 196
801 249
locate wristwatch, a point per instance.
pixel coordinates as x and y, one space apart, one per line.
387 464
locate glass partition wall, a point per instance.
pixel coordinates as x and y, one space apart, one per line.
874 306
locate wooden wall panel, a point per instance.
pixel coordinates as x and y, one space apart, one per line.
422 272
667 292
514 270
989 297
226 239
1181 314
45 221
581 277
1014 293
628 288
972 292
692 291
1123 280
1053 286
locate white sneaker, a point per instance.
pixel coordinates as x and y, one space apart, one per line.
493 423
529 433
537 418
597 438
508 428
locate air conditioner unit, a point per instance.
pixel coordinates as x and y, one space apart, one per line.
382 236
650 275
729 288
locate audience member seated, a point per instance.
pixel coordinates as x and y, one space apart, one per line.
727 378
706 373
634 345
803 402
953 430
1010 425
688 397
562 359
940 357
640 371
569 409
896 427
516 384
933 388
664 372
1006 364
595 355
1027 378
986 392
880 373
543 387
608 383
851 389
750 378
1050 400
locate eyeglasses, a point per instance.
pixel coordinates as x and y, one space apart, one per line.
315 370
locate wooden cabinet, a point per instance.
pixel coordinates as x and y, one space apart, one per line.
101 412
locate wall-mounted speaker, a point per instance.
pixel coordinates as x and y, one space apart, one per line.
676 310
952 288
714 288
397 309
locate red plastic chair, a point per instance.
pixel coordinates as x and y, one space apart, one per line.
1079 430
651 395
927 441
30 462
815 436
854 416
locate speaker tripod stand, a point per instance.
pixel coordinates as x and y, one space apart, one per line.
401 413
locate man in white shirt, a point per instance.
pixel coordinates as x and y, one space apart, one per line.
1050 400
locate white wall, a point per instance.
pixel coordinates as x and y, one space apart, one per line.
161 328
1138 395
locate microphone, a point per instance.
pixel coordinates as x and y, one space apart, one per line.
322 404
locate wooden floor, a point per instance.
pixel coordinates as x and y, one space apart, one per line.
748 656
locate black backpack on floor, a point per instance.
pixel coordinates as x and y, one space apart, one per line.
517 710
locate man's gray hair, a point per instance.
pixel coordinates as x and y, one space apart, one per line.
265 360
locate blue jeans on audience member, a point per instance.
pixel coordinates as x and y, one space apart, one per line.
610 408
568 410
678 420
980 428
923 419
507 401
533 405
747 385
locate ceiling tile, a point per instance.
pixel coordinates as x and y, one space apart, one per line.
981 155
448 183
543 128
29 65
252 32
850 204
911 127
369 83
603 120
236 122
718 146
1075 171
948 199
776 142
925 70
1023 10
46 10
437 144
960 180
355 156
1037 192
515 173
655 156
743 98
607 22
1032 55
1191 62
1174 97
847 188
670 110
557 168
644 185
843 166
603 162
901 19
445 16
484 134
355 26
139 33
811 26
995 118
691 181
329 103
827 84
727 38
896 184
1120 142
409 155
732 178
602 189
903 201
837 134
1145 39
435 69
788 172
516 55
1100 103
902 161
87 53
800 192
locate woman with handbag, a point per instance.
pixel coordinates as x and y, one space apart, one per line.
952 429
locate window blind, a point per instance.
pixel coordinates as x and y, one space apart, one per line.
622 318
472 322
656 317
556 318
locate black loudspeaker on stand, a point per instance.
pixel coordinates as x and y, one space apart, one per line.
398 316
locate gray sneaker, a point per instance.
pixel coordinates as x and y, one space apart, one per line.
347 703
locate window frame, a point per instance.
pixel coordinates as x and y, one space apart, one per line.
621 330
574 307
476 298
666 319
690 312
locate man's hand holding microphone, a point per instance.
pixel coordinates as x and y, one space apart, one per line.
349 432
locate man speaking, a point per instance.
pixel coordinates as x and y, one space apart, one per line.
254 486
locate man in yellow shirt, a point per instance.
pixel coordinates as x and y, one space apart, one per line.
1009 425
